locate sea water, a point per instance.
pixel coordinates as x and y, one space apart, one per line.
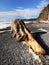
4 24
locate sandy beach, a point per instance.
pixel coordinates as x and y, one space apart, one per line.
14 53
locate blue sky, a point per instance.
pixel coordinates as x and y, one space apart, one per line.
8 5
13 9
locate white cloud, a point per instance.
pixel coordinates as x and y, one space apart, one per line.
24 13
42 4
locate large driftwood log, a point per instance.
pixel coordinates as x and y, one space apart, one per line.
21 32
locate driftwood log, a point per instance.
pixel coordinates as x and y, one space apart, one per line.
21 32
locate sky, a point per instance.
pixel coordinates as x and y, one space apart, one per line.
21 9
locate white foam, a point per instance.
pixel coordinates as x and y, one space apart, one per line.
4 24
27 21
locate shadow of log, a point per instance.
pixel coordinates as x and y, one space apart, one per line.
37 36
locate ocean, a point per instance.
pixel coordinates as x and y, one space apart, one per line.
5 24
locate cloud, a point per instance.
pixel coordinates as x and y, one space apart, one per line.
24 13
43 4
